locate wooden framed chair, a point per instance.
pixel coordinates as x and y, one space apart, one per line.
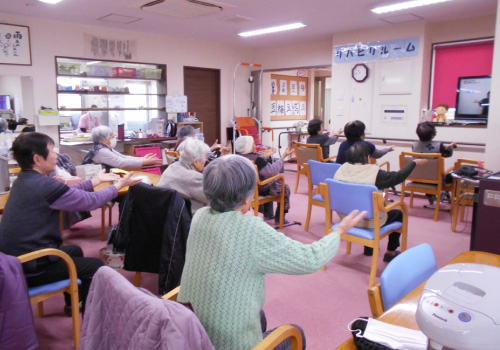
305 152
463 191
346 197
258 199
398 280
272 340
317 172
171 156
41 293
427 178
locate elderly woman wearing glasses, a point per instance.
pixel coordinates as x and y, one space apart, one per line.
230 249
104 153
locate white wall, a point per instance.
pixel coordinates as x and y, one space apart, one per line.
50 39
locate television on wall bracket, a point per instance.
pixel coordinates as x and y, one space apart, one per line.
473 99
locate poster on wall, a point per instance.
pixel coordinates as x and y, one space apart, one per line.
176 104
376 50
280 108
283 87
293 88
302 88
109 48
288 108
273 109
274 87
303 107
15 45
295 108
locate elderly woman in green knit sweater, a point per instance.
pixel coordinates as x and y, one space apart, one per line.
230 253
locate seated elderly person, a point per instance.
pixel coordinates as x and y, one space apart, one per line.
245 146
104 153
183 133
30 220
185 176
229 254
357 169
4 126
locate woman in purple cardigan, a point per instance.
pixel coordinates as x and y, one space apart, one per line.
245 146
30 220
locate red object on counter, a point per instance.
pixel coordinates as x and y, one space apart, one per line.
123 72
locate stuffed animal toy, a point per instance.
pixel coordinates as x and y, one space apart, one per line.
441 113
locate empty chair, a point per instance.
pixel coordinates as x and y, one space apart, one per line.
41 293
272 340
305 152
317 173
402 275
346 197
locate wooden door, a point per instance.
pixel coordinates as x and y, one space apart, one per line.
202 88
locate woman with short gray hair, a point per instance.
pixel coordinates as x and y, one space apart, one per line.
234 252
185 175
104 153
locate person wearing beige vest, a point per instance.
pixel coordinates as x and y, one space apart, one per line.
357 169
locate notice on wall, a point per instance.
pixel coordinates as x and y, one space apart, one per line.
302 88
280 108
293 88
273 109
176 104
274 87
288 108
109 48
283 87
303 108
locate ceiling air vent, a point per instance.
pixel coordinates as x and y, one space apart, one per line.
182 8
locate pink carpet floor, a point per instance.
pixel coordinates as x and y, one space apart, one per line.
322 303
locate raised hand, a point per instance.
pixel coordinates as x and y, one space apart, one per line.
151 159
350 221
102 176
127 181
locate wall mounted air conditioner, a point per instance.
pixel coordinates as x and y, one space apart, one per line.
182 8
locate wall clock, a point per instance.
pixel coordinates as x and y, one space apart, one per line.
360 72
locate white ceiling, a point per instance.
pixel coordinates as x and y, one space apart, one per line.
322 17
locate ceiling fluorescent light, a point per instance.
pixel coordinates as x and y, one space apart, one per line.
272 29
406 5
50 1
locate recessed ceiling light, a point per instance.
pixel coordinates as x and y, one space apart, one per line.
272 29
50 1
405 5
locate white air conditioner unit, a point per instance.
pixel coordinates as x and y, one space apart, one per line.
182 8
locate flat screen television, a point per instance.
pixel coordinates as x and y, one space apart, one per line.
5 102
473 98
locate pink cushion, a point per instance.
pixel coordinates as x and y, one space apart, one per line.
142 151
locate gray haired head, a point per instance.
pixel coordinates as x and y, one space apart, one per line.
192 149
3 123
100 133
185 131
228 181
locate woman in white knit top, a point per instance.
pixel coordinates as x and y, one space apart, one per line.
230 253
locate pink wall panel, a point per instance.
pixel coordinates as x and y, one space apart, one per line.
454 62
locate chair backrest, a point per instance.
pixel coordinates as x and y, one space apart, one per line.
248 123
320 171
406 272
432 172
308 151
469 162
346 197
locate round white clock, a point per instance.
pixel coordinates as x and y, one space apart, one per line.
360 72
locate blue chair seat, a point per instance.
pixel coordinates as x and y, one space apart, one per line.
369 233
318 198
50 287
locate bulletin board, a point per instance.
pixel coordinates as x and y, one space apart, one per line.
288 97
